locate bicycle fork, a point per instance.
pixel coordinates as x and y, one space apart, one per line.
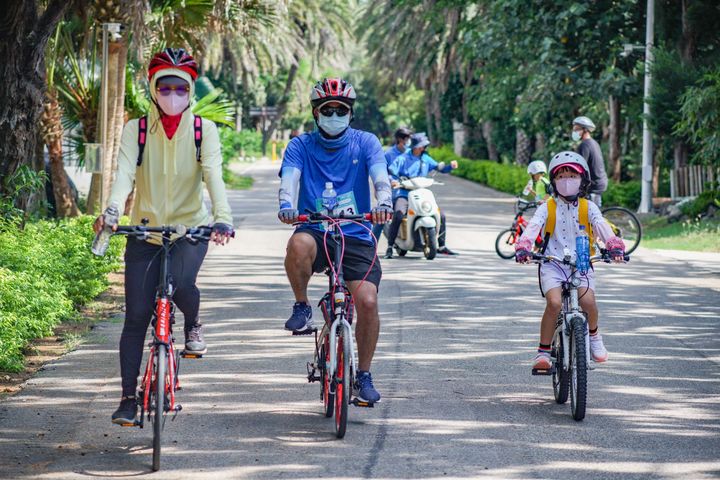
340 322
566 330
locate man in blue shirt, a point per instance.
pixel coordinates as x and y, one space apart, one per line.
415 163
336 153
402 140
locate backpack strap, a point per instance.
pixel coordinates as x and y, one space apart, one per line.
197 133
142 138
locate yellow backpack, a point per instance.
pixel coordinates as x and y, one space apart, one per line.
583 219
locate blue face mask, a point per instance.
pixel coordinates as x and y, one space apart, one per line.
333 125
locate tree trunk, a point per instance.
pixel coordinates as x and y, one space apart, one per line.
539 142
23 38
428 111
614 160
680 154
281 108
437 115
522 147
487 130
65 205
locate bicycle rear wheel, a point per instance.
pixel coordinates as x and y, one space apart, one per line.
505 243
578 369
342 385
625 225
560 377
158 408
328 397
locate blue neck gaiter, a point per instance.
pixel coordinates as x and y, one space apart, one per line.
332 143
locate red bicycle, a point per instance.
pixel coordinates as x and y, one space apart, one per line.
160 380
506 240
334 363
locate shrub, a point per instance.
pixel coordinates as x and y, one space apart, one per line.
626 194
46 270
698 206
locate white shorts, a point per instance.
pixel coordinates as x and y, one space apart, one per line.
553 275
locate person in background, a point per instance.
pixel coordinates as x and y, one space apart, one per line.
400 147
590 151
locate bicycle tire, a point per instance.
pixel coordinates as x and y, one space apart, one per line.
578 371
342 386
500 241
328 398
159 407
630 228
560 377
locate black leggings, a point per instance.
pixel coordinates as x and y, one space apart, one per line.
400 210
142 275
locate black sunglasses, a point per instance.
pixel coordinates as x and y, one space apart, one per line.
328 111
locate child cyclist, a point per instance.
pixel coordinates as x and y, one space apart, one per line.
537 186
560 218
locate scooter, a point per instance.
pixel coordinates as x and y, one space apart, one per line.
420 228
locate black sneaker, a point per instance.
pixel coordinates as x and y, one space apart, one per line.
194 343
126 412
446 251
388 253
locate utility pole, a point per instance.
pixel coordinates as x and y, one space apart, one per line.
647 145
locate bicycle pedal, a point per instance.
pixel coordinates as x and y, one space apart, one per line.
304 332
543 371
360 403
314 378
184 354
133 424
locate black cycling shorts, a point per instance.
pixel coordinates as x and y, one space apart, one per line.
356 261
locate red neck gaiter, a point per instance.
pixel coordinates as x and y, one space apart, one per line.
170 124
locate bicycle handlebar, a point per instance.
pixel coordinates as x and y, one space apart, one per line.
196 233
604 256
320 217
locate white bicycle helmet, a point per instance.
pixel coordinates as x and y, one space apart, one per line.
538 166
576 162
585 122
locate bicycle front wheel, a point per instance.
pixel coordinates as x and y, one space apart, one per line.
625 225
578 369
342 385
505 243
158 409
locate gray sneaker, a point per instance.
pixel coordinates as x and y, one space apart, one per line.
194 342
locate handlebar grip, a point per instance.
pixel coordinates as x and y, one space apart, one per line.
368 217
303 218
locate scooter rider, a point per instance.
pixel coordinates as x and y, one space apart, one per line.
402 142
415 163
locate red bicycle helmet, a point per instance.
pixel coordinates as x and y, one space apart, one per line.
332 90
173 58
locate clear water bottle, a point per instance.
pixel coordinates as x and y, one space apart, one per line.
329 198
582 250
102 239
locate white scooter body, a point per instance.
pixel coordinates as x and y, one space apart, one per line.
421 227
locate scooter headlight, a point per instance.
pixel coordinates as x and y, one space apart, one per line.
426 207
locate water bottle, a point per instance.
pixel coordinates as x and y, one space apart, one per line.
102 239
329 198
582 250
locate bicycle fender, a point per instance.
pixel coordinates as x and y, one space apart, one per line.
427 222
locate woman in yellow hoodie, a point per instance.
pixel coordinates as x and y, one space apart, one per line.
168 175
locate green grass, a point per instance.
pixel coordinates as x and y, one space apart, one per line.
698 236
234 181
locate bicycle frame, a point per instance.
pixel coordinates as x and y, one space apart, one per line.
340 304
570 311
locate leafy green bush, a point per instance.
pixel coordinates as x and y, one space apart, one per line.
233 143
626 194
697 207
506 178
46 269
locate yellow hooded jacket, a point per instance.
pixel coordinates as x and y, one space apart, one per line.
170 179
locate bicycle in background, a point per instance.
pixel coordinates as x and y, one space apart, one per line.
506 240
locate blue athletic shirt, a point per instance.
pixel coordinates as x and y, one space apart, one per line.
345 162
410 166
392 153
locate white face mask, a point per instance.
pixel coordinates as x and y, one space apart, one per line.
333 125
576 136
173 104
568 187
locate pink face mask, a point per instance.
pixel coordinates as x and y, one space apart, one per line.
568 187
173 104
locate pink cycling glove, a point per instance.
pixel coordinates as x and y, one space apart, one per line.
523 250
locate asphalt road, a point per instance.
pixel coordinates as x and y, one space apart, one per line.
453 365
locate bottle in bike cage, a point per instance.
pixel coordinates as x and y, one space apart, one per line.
102 239
582 250
329 198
